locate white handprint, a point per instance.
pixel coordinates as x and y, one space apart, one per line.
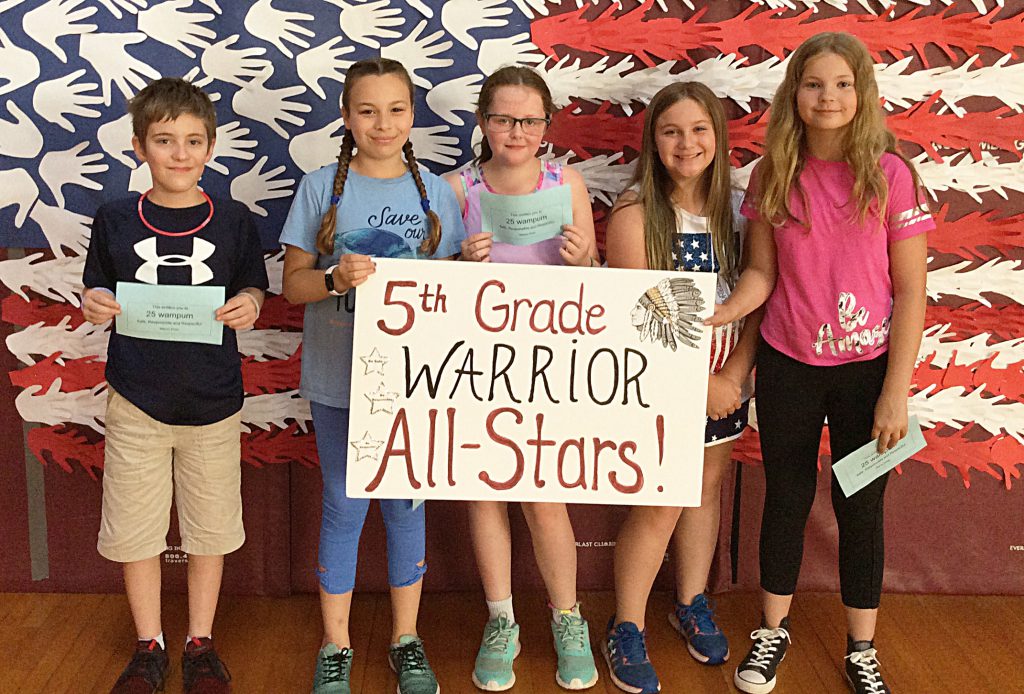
429 144
361 23
9 5
417 53
234 66
230 144
56 18
70 167
191 76
115 137
315 148
53 98
323 62
63 228
459 16
18 188
166 23
421 7
140 179
59 279
277 26
257 185
509 50
270 105
459 94
18 66
529 7
130 6
21 138
109 56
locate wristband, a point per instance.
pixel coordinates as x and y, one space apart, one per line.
329 282
254 301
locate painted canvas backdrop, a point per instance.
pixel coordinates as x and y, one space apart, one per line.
950 74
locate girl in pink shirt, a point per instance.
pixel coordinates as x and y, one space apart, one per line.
514 112
838 256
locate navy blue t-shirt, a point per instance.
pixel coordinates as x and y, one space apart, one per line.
181 383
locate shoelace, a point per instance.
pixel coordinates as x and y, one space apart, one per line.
630 647
703 617
410 657
145 664
573 633
336 666
766 642
867 664
497 638
206 664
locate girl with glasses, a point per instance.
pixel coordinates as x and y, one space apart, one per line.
513 112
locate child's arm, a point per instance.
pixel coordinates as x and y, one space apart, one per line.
908 267
304 282
624 236
580 246
758 279
475 246
241 311
99 305
725 387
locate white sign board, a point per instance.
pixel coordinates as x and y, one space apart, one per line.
529 383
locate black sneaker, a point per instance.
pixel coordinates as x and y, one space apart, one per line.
756 672
146 671
202 671
862 673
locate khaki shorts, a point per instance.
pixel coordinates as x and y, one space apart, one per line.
146 462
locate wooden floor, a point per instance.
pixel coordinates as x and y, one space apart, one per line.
927 644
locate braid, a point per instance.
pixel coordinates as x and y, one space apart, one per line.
325 237
433 239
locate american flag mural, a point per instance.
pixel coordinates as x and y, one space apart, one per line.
951 75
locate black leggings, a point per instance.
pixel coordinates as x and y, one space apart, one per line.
793 400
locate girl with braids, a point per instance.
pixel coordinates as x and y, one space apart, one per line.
838 250
681 213
373 202
514 111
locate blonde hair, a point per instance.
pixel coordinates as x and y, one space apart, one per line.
325 236
655 186
865 139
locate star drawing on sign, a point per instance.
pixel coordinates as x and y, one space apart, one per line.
382 400
366 447
374 363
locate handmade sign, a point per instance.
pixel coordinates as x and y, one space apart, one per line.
529 383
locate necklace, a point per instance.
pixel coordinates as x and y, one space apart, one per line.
152 228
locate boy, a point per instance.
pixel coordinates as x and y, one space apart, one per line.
173 407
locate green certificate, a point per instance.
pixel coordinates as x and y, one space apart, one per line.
866 464
177 313
525 219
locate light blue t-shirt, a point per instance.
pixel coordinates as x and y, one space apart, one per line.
380 217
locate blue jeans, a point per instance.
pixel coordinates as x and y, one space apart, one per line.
343 518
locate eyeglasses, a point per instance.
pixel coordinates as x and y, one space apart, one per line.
502 124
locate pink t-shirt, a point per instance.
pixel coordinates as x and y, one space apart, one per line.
833 297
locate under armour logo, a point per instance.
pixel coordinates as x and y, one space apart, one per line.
201 250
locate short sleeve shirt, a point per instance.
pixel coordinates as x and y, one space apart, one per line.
179 383
379 217
832 302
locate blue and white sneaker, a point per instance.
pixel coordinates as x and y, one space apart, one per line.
696 624
625 650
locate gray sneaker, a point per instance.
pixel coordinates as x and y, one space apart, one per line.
410 664
333 666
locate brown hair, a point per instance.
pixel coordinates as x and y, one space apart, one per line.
510 76
654 185
168 98
865 140
377 67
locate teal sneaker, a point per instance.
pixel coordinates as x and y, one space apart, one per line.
333 666
410 664
499 647
576 669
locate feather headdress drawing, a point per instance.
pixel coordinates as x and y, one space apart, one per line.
668 313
